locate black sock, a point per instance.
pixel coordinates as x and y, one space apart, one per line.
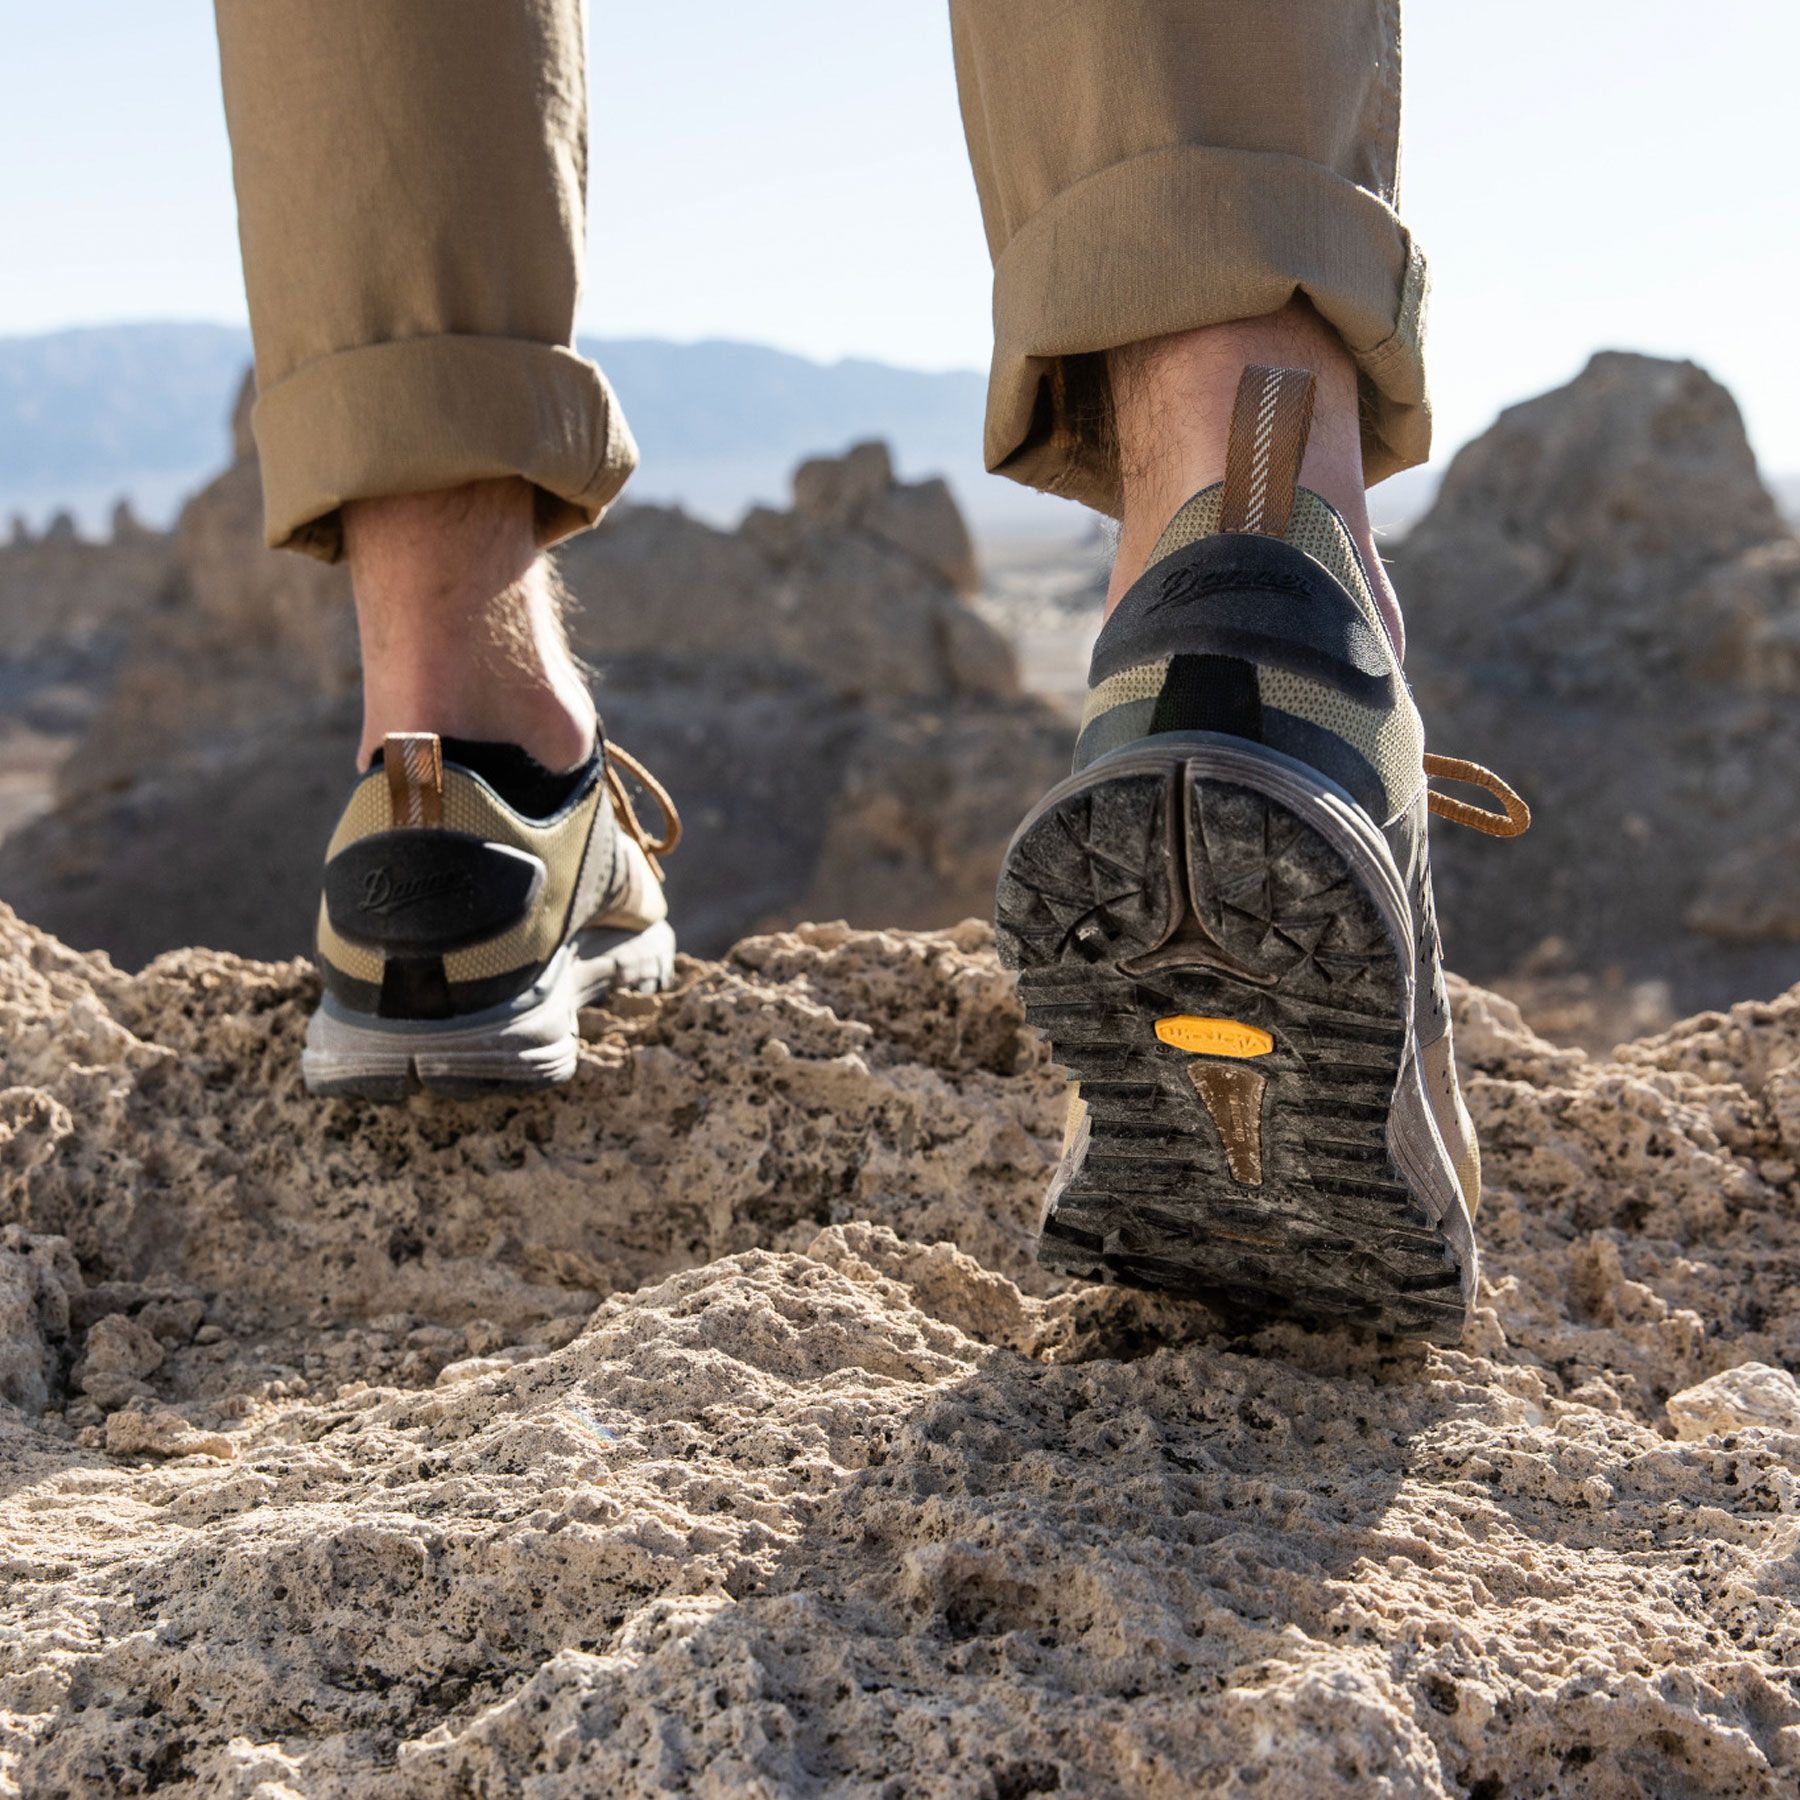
517 776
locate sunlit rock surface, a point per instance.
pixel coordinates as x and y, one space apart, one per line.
706 1427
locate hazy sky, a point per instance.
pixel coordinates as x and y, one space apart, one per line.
1586 173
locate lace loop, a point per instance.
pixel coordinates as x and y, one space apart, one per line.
653 847
1515 819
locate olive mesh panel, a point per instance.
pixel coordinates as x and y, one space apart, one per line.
1317 529
366 811
1453 1122
1468 1165
1144 682
1390 739
369 810
640 900
469 807
1197 519
355 961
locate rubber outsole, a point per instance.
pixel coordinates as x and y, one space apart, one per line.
1215 886
528 1043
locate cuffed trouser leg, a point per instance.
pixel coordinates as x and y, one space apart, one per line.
1148 166
411 181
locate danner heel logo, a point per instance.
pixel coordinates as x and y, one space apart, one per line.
1187 582
1181 584
1176 587
382 894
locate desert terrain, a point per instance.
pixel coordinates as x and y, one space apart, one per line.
706 1427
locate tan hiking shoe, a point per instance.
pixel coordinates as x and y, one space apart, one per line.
473 903
1223 921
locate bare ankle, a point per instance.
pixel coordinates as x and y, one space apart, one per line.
1172 401
461 623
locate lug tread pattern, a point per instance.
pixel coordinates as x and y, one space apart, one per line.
1152 894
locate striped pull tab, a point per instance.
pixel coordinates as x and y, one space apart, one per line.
414 761
1269 425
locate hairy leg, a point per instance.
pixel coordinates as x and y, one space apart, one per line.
1172 400
461 623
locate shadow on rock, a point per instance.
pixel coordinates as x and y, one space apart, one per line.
709 1424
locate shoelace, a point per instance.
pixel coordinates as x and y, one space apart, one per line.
653 847
1511 822
1515 819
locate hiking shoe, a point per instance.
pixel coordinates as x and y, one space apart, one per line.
473 903
1223 922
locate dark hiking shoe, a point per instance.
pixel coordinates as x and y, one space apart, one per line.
473 903
1223 922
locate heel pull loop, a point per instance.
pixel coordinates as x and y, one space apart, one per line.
1514 820
1269 426
414 761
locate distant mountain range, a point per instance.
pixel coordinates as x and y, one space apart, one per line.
140 410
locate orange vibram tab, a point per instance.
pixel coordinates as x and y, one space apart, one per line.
1213 1037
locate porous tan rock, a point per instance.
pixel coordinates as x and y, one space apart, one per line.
37 1275
828 589
118 1353
706 1427
163 1432
1751 1395
68 612
1752 894
67 605
125 527
859 491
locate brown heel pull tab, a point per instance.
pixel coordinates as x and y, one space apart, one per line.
414 761
1269 425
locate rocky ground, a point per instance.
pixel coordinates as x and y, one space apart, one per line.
68 612
705 1427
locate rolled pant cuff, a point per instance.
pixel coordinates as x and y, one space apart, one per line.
1193 236
414 414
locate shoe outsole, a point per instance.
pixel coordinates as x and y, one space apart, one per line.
526 1045
1219 884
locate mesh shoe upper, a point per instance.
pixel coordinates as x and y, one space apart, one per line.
1279 641
440 898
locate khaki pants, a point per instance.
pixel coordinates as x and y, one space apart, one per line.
411 181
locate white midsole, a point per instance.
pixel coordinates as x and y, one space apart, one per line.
531 1039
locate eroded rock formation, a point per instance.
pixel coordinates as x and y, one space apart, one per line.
706 1427
845 734
1604 605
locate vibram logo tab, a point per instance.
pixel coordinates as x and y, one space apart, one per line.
1213 1037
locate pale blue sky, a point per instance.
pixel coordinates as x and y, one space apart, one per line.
1588 173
